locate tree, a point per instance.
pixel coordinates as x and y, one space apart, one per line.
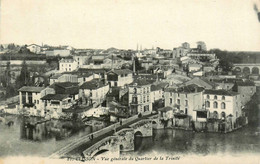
24 78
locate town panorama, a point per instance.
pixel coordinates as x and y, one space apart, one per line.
63 102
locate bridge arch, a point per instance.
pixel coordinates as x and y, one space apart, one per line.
100 152
246 70
138 134
255 70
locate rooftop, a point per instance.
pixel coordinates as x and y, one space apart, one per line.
220 92
141 82
31 89
192 88
122 71
93 84
55 97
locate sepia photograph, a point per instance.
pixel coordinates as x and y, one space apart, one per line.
129 81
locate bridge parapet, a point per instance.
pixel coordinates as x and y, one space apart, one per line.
126 139
109 143
143 127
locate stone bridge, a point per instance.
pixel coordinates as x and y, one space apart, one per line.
107 144
247 68
143 128
122 140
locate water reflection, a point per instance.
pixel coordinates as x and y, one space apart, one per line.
40 130
170 141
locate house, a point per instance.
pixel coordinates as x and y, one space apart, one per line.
30 99
157 91
93 92
140 97
72 89
34 48
165 116
246 89
184 100
119 77
67 65
117 112
224 105
201 82
54 104
59 78
194 67
81 59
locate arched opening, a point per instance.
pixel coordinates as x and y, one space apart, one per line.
223 105
246 70
208 104
103 151
215 104
138 140
138 134
215 114
255 70
223 115
154 122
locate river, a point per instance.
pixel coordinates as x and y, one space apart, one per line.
50 136
41 140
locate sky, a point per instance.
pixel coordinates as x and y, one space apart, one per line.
225 24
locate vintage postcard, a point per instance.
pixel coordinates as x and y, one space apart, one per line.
129 81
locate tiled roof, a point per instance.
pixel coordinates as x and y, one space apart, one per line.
31 89
66 84
192 88
55 97
141 82
122 71
155 87
93 84
245 83
220 92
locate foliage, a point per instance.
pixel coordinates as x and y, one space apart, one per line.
24 78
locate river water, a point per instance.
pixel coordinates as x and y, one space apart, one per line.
41 140
50 136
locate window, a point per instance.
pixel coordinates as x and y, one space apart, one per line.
37 101
69 65
215 97
186 110
144 90
186 102
223 105
208 104
178 95
170 100
223 97
135 90
144 99
178 101
186 95
215 104
147 98
208 97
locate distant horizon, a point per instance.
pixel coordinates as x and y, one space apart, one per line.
101 24
129 48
